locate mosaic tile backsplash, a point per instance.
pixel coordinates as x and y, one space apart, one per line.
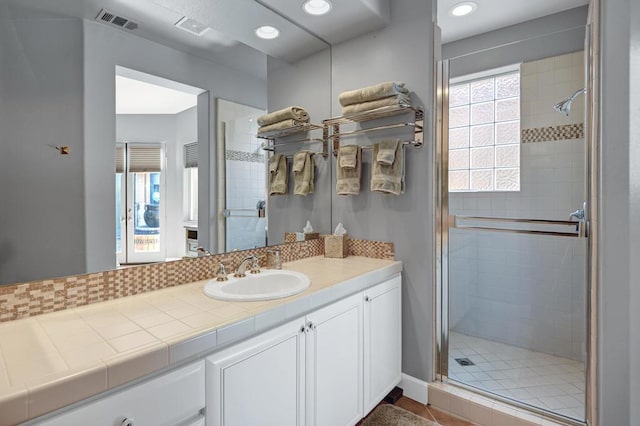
40 297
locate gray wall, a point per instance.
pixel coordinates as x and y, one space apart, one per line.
105 48
41 196
619 298
174 130
306 83
402 51
551 35
634 201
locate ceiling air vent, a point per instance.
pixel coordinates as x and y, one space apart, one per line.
192 26
119 21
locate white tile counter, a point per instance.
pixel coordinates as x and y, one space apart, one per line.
53 360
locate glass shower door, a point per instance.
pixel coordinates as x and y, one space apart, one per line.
514 320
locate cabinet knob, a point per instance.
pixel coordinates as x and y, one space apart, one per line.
127 422
367 299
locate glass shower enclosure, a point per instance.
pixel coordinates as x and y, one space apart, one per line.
514 244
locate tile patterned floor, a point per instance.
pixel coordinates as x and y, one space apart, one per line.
541 380
429 413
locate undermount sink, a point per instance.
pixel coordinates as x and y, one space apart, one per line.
267 285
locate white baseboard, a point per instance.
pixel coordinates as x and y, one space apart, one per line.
413 388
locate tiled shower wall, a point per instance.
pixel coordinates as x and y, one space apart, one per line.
528 290
245 173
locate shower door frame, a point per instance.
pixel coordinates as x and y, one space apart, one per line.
442 221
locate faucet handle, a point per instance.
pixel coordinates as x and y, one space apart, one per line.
221 275
255 265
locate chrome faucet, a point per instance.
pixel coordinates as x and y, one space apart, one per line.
221 275
578 214
242 268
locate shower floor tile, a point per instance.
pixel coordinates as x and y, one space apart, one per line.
544 381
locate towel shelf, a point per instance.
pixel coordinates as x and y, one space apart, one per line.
271 139
389 111
280 133
374 114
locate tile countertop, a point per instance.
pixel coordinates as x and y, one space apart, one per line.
52 360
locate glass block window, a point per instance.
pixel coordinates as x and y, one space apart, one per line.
484 134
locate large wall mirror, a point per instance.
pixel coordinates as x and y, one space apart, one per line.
128 131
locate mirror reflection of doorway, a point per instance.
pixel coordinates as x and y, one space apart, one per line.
156 167
243 197
140 212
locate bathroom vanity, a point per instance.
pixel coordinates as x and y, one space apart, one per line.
326 356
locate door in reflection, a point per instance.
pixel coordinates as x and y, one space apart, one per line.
140 211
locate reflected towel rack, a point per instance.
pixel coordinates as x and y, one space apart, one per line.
241 213
270 143
578 232
280 133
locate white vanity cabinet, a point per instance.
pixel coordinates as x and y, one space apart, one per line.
382 341
174 398
329 368
259 381
334 364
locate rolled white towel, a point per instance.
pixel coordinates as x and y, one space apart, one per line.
293 112
372 93
378 103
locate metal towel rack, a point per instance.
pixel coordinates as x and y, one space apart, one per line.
272 147
271 138
454 222
417 124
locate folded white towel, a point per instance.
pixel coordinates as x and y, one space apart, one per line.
303 173
379 103
280 125
371 93
348 156
293 112
387 152
278 176
348 178
388 179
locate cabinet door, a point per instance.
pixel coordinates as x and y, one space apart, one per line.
334 364
382 340
165 400
259 381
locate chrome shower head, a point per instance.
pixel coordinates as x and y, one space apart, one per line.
564 107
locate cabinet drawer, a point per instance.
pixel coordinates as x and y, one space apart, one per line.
166 400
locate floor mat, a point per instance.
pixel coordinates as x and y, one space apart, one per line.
390 415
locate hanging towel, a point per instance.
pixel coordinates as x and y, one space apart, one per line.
284 124
387 152
290 113
371 93
378 103
388 179
348 178
348 156
278 177
303 173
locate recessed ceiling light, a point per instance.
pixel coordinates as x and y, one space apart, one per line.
267 32
316 7
463 9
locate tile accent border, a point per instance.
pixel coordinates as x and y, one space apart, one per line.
556 133
41 297
244 156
